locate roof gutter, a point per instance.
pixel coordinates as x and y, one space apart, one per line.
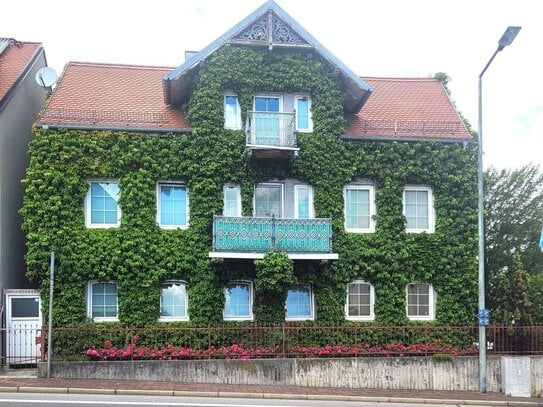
413 139
114 128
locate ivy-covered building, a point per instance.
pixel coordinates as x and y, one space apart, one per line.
261 180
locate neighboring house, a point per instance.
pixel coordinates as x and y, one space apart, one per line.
21 99
162 189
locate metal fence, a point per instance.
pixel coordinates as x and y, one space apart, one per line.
21 346
288 340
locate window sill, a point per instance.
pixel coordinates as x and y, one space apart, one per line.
238 318
359 230
185 319
106 319
173 227
102 225
361 319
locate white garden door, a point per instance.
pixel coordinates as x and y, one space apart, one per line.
23 325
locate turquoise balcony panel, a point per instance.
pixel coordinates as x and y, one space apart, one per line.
260 235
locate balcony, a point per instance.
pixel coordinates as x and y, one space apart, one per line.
251 238
271 134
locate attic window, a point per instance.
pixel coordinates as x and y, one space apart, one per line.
232 112
304 121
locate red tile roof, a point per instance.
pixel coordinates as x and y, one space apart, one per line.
112 96
405 108
13 62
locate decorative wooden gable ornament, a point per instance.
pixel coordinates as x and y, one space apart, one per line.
269 26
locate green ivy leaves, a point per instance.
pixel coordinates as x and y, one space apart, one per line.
140 256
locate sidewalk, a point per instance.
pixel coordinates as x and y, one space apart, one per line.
35 385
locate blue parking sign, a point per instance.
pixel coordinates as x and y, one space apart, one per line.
484 317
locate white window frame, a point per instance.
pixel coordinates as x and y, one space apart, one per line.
89 301
159 203
431 210
311 304
365 187
309 115
238 198
266 184
431 303
269 95
88 206
175 318
237 125
297 187
249 317
369 317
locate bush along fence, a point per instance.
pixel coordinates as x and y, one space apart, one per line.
248 341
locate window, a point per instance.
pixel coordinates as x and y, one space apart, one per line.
238 301
304 122
102 204
420 301
303 202
102 301
268 201
172 208
360 301
267 126
232 112
299 304
418 209
359 208
174 302
232 200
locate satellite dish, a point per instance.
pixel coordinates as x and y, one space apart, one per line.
46 77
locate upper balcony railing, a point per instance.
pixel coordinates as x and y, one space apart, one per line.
271 129
260 235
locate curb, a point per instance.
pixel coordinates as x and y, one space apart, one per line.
279 396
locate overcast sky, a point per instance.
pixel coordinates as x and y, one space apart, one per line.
392 38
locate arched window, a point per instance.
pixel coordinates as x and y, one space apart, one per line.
300 304
102 301
174 302
360 301
238 301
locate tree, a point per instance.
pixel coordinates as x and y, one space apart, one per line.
513 292
513 219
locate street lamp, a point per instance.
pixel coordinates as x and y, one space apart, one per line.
506 39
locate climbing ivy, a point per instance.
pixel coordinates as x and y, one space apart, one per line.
140 256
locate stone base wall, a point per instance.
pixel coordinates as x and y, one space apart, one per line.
415 373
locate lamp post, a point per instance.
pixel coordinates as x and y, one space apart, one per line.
506 39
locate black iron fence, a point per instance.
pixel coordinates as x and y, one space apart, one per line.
287 340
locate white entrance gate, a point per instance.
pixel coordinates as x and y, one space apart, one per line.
23 324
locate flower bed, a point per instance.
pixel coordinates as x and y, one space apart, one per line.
170 352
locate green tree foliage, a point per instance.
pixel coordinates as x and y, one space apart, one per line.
140 256
513 288
513 220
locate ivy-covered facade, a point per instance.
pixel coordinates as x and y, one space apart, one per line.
263 206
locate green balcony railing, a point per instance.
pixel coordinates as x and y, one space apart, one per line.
261 235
